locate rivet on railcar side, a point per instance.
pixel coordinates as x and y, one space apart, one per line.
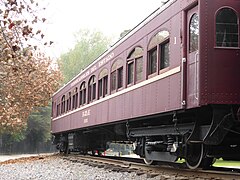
171 88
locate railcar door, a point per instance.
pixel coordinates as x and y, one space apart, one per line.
192 57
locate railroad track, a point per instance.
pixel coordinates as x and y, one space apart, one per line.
162 171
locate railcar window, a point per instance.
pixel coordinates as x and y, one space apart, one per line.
103 83
73 101
226 28
113 80
92 89
158 50
69 102
58 109
164 61
67 105
75 98
105 86
120 77
82 94
63 104
139 68
100 88
130 72
194 33
135 65
117 75
152 61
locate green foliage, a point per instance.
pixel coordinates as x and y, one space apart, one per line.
38 127
89 45
37 131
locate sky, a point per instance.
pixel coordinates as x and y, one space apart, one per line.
64 18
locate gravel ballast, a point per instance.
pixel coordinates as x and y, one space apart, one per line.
55 167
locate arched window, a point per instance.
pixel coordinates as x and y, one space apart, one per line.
92 89
117 75
75 99
226 28
63 104
135 65
193 33
158 52
103 83
82 94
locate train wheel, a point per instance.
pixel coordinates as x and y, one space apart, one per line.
148 162
194 155
63 148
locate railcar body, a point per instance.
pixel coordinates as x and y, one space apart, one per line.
171 86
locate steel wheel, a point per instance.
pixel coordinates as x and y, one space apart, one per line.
194 155
147 161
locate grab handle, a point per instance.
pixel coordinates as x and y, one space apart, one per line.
196 76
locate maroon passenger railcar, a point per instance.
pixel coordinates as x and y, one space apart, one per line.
171 86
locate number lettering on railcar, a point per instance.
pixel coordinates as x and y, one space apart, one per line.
85 121
86 113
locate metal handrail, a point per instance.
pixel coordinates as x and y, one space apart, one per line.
196 76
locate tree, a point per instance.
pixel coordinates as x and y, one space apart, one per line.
124 33
27 77
38 128
37 133
89 45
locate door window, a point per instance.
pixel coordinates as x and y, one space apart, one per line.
193 33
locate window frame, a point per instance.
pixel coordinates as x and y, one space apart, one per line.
116 68
156 42
69 102
190 48
149 65
58 108
103 80
63 104
120 78
133 72
105 85
92 89
113 83
75 99
132 59
82 94
162 70
215 28
136 66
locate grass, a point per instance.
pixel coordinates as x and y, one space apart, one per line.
220 162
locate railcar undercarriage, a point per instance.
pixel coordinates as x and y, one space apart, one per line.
198 136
